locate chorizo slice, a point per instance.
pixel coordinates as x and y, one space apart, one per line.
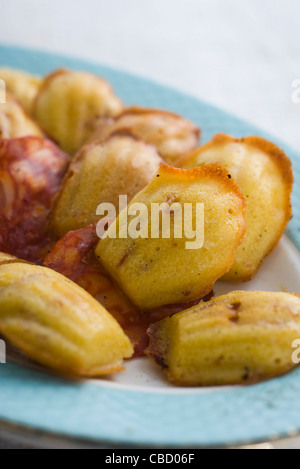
31 171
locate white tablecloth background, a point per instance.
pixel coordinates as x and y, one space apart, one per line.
240 55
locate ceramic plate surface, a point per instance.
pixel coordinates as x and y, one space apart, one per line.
138 407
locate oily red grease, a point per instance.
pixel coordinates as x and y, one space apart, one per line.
73 256
31 171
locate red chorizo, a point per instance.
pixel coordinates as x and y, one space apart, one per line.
31 171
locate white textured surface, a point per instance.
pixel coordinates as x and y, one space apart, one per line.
240 55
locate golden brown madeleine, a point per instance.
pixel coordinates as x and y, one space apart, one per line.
264 173
100 173
59 325
14 122
31 171
22 85
70 105
172 135
165 269
239 338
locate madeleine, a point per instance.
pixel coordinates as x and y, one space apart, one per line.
69 105
178 260
56 323
14 122
239 338
264 173
100 173
22 85
172 135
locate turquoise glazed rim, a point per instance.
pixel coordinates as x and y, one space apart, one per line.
117 415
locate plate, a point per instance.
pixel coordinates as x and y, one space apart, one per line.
138 407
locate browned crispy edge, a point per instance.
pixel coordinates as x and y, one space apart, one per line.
11 260
214 171
47 81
